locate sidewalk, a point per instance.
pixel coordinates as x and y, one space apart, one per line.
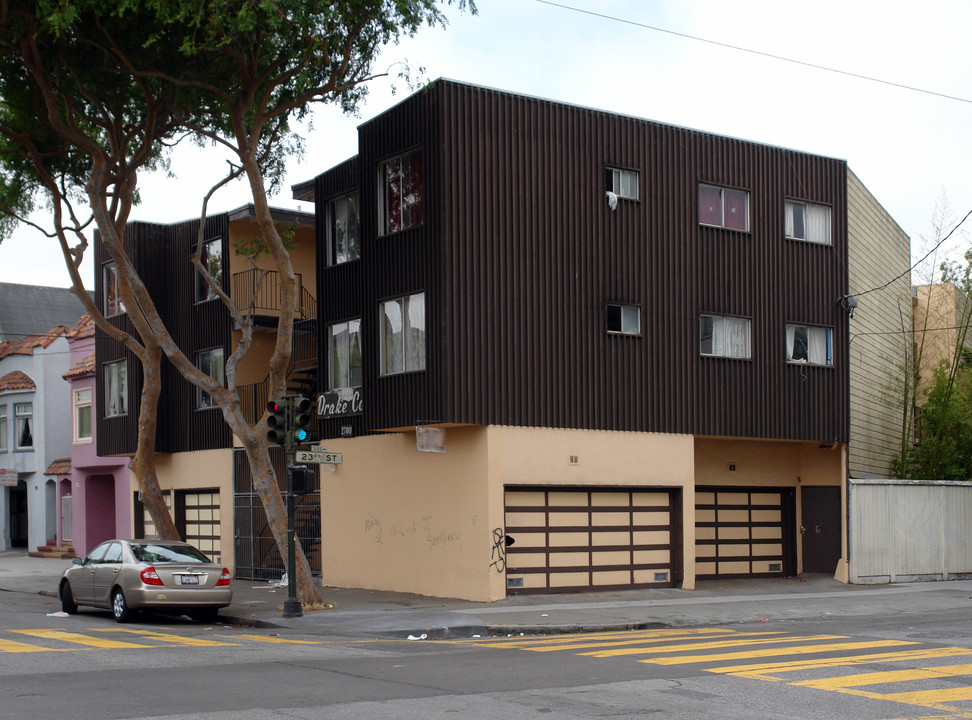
365 612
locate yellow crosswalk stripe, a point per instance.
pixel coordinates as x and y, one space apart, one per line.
771 652
740 640
569 642
167 637
79 639
757 671
272 639
12 646
891 676
928 697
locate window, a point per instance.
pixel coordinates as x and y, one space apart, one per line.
402 188
403 334
211 256
82 415
211 363
809 344
807 221
723 207
3 428
724 336
624 319
24 420
344 355
113 303
345 239
623 183
116 388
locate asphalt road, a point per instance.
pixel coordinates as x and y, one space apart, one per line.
912 665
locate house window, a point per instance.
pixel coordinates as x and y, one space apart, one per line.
724 336
82 415
723 207
211 256
345 369
809 344
24 421
624 319
211 363
113 303
3 429
116 388
808 221
345 229
403 334
402 191
623 183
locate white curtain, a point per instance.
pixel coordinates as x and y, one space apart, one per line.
393 340
817 342
818 224
415 345
790 341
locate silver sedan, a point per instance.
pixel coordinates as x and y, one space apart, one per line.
127 576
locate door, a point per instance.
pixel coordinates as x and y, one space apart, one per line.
105 573
18 515
744 532
821 529
568 539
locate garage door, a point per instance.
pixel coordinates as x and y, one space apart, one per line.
568 539
744 532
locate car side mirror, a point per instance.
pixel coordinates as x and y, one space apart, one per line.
77 561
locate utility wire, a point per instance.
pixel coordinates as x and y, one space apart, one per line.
759 53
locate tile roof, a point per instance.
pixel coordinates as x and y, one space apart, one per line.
84 367
26 345
83 328
61 466
16 380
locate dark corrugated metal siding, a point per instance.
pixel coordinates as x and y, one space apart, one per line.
519 254
161 254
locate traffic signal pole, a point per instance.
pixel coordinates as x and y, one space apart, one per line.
287 421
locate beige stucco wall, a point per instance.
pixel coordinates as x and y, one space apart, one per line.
939 311
202 470
878 252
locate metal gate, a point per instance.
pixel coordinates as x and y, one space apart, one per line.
745 532
257 557
575 539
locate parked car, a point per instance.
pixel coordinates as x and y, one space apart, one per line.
128 576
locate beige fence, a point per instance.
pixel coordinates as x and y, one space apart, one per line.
909 530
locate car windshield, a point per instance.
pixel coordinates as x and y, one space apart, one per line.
156 553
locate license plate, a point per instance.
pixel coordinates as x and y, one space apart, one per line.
190 579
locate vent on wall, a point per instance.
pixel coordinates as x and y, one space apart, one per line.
513 582
661 576
574 460
776 567
732 467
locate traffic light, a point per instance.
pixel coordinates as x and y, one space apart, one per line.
300 418
277 416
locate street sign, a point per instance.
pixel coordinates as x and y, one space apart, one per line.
318 457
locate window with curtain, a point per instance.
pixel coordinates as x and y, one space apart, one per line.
724 207
402 190
623 183
809 344
624 319
808 221
113 304
211 363
345 230
402 338
3 429
116 388
212 259
82 415
24 422
345 368
725 336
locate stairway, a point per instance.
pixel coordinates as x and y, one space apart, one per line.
52 550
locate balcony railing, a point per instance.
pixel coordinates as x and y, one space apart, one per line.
303 363
266 294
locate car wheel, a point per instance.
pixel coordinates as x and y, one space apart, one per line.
119 606
67 599
204 615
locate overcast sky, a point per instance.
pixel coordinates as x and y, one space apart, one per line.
910 147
